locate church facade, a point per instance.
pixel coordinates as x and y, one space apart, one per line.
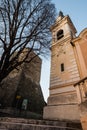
68 66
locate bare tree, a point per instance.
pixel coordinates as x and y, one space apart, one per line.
23 23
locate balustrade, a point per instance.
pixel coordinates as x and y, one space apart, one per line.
81 88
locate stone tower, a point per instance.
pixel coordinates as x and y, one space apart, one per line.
62 101
21 88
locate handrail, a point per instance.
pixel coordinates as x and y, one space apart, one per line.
82 80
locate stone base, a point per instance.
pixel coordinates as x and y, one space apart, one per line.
84 122
83 114
62 112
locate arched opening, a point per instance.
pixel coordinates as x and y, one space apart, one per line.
60 34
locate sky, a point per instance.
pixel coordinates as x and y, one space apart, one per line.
77 10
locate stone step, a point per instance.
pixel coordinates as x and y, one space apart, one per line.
22 126
20 122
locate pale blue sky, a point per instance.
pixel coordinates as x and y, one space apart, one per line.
77 10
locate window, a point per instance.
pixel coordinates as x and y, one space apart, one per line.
62 67
60 34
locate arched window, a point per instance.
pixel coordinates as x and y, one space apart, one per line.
60 34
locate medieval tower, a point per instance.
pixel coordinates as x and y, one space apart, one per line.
62 101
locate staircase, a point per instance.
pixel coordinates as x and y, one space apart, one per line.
30 124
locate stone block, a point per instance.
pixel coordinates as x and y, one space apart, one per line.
62 112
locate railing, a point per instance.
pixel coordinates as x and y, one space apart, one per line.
81 88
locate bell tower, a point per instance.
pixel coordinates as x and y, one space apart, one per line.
62 100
